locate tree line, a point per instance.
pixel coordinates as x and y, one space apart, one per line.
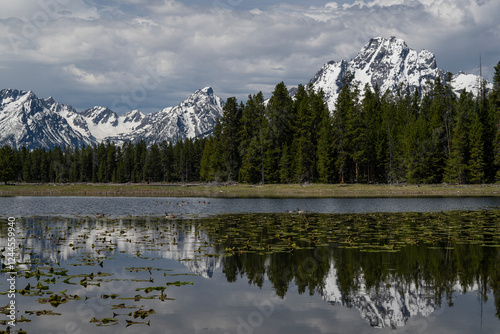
428 136
106 162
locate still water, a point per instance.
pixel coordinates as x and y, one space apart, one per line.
411 269
122 206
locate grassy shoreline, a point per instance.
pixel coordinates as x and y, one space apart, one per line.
245 190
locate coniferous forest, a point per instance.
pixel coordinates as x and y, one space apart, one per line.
400 136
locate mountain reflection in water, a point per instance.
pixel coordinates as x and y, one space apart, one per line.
390 267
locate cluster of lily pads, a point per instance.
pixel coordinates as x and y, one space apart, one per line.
52 250
259 245
372 232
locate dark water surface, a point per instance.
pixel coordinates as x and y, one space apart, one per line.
411 269
122 206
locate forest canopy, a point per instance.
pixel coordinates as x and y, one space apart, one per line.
401 136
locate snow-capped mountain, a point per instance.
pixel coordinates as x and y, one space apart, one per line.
26 120
389 305
387 63
105 124
194 117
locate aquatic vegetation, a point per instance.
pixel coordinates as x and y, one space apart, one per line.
76 254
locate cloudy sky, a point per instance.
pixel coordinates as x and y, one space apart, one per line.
150 54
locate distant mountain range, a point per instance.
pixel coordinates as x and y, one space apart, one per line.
27 120
388 63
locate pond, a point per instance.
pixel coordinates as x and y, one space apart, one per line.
122 206
374 272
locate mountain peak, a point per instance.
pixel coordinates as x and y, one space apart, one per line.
207 90
386 62
32 122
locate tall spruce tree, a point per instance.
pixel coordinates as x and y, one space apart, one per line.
457 164
326 158
346 108
280 117
253 123
7 164
230 138
476 164
494 103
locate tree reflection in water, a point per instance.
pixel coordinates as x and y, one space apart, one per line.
390 267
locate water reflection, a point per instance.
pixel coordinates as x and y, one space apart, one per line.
123 206
390 268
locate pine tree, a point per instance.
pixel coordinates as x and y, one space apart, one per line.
7 164
326 158
280 118
476 164
251 135
304 143
110 162
212 161
494 103
230 138
167 161
285 166
153 167
344 119
252 165
457 164
140 154
75 168
26 165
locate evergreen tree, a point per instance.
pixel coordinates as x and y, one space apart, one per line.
212 162
253 125
26 165
7 164
457 164
230 138
494 103
311 115
285 165
111 162
371 109
153 167
346 108
476 164
252 165
140 154
280 118
167 160
75 167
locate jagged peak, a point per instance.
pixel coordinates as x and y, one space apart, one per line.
28 95
10 91
378 41
134 113
96 111
133 116
207 90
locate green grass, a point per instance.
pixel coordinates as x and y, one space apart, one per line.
245 190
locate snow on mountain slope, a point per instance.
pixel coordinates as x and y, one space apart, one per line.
103 122
389 305
194 117
26 120
387 63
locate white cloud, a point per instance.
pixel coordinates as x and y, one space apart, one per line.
106 47
87 78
